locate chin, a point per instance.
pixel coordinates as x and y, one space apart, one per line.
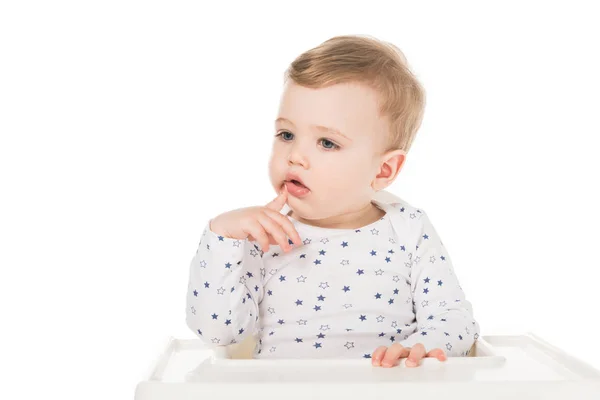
304 212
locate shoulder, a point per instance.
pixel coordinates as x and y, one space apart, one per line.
407 212
409 221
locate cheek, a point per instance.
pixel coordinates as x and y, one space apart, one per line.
275 168
272 167
347 172
277 153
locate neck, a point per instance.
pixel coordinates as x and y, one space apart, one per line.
351 220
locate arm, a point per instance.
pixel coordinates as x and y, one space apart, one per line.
444 316
224 289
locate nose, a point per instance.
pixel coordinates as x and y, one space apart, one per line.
297 158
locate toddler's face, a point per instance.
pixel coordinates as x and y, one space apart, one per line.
337 170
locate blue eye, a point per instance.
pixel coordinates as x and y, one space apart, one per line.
326 143
333 145
285 137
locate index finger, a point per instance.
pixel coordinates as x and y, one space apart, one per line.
287 226
437 353
279 201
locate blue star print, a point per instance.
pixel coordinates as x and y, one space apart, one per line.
361 285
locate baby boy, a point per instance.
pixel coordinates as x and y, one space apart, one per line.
324 270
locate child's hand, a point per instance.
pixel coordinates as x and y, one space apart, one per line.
264 224
388 357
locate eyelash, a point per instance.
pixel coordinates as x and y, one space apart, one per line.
334 148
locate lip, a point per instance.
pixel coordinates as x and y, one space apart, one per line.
293 177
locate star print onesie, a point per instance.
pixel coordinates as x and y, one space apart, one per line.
341 294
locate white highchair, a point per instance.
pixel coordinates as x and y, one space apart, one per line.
498 367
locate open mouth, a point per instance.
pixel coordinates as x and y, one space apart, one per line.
298 183
296 188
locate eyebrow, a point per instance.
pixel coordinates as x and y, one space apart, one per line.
321 128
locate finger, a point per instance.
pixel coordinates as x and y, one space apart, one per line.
416 354
287 226
269 237
275 230
272 240
378 356
437 353
279 201
393 354
257 232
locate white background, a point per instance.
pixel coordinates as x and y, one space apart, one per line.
126 125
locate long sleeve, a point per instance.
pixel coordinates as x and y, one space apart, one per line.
224 289
444 316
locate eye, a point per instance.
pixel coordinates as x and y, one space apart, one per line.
286 136
326 143
329 145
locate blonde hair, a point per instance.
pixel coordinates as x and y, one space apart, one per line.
381 66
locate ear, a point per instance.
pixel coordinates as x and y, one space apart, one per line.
391 164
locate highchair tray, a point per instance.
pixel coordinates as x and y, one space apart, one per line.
499 367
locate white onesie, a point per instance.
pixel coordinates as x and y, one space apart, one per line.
342 294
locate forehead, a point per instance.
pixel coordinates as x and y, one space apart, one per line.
351 108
